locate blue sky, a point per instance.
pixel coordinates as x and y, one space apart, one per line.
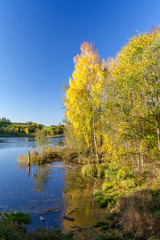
39 38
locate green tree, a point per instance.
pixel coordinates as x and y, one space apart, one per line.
41 138
136 87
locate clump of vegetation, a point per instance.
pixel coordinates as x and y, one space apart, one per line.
105 201
18 217
89 170
13 225
48 155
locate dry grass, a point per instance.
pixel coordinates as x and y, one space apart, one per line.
140 214
48 155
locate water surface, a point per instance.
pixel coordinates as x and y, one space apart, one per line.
51 186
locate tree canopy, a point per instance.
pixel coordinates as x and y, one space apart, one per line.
113 107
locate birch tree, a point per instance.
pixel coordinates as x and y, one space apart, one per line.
83 97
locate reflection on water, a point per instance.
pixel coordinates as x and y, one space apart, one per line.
79 202
49 186
40 191
40 174
21 142
41 178
16 142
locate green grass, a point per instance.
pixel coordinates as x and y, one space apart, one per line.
47 128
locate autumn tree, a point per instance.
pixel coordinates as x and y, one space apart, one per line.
83 97
135 75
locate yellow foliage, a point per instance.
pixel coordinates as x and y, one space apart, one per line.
27 131
109 149
83 98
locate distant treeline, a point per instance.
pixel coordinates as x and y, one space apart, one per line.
29 128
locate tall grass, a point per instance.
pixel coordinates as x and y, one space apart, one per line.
48 155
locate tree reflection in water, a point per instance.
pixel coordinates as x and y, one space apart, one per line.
41 177
40 174
78 196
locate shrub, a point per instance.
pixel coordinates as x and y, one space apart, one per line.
110 174
108 185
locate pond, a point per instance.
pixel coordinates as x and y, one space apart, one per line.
50 191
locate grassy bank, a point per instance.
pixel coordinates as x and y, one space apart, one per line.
131 200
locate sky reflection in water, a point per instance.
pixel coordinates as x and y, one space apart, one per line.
47 187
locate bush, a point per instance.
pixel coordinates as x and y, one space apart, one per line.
110 174
108 185
128 183
89 170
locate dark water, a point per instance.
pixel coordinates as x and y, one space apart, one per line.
48 187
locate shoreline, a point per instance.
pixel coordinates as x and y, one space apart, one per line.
29 135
